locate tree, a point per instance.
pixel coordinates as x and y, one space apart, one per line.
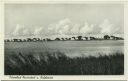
44 39
79 38
8 40
66 38
20 40
69 38
24 40
92 38
29 39
106 37
15 40
58 39
121 38
86 38
112 37
63 39
38 39
74 38
34 39
48 39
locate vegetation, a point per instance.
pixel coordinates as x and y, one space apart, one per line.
78 38
57 63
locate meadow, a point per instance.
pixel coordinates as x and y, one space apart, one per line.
64 58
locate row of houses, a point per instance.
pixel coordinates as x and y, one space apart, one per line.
78 38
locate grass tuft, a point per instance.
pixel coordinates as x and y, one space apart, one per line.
58 63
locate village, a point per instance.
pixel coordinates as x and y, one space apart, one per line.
77 38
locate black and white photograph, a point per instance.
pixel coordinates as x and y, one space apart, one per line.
65 80
63 39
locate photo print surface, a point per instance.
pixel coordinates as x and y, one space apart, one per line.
64 39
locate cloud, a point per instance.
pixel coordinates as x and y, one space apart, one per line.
21 30
109 28
38 31
62 27
87 28
18 30
75 29
66 27
26 32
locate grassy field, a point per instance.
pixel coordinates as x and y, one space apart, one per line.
70 48
58 63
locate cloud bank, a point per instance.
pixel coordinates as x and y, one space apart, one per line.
66 27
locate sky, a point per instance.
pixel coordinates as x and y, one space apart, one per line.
50 20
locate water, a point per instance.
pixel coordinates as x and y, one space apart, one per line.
70 48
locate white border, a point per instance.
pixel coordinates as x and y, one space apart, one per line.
66 77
